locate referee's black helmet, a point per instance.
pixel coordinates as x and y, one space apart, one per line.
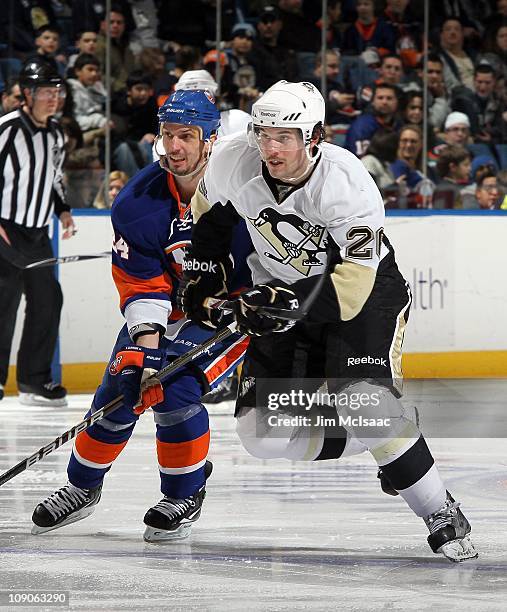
37 72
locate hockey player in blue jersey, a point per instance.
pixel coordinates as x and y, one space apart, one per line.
152 224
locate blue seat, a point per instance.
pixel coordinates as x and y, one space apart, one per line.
501 151
10 66
480 149
306 65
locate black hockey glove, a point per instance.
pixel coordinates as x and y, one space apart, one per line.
202 279
275 294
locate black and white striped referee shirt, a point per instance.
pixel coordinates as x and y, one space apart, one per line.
31 170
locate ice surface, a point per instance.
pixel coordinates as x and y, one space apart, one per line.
274 535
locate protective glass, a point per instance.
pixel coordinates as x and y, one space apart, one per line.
277 139
44 94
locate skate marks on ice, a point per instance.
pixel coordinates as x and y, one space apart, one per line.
273 535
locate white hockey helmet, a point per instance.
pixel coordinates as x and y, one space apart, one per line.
197 79
291 105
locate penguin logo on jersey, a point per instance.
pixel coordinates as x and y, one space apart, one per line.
296 241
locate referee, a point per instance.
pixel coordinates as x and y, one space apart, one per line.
31 159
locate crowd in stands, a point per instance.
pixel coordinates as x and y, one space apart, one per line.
374 68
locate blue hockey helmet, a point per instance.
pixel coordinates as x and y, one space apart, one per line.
191 108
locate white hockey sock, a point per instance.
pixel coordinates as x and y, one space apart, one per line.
427 495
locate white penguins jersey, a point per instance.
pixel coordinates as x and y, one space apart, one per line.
290 233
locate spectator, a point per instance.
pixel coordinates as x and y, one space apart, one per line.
369 31
486 192
231 120
272 62
501 179
457 129
20 26
481 164
407 168
88 93
47 42
494 48
117 181
122 58
499 16
413 108
83 170
153 63
458 64
298 32
401 17
88 15
482 106
454 169
144 35
340 103
86 42
241 64
390 72
470 13
409 155
136 124
12 97
227 89
334 36
384 107
382 151
438 103
185 58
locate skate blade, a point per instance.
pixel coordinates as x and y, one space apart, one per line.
31 399
37 530
151 534
459 550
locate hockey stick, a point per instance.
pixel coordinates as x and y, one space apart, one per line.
114 405
52 261
21 261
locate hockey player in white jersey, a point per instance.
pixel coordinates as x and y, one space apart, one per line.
312 209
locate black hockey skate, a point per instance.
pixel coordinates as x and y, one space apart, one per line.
171 519
450 532
63 507
227 390
1 392
48 394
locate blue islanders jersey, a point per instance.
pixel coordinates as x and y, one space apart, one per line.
152 227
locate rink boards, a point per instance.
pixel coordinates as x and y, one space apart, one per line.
455 264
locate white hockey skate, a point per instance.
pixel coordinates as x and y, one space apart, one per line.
171 519
63 507
450 532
